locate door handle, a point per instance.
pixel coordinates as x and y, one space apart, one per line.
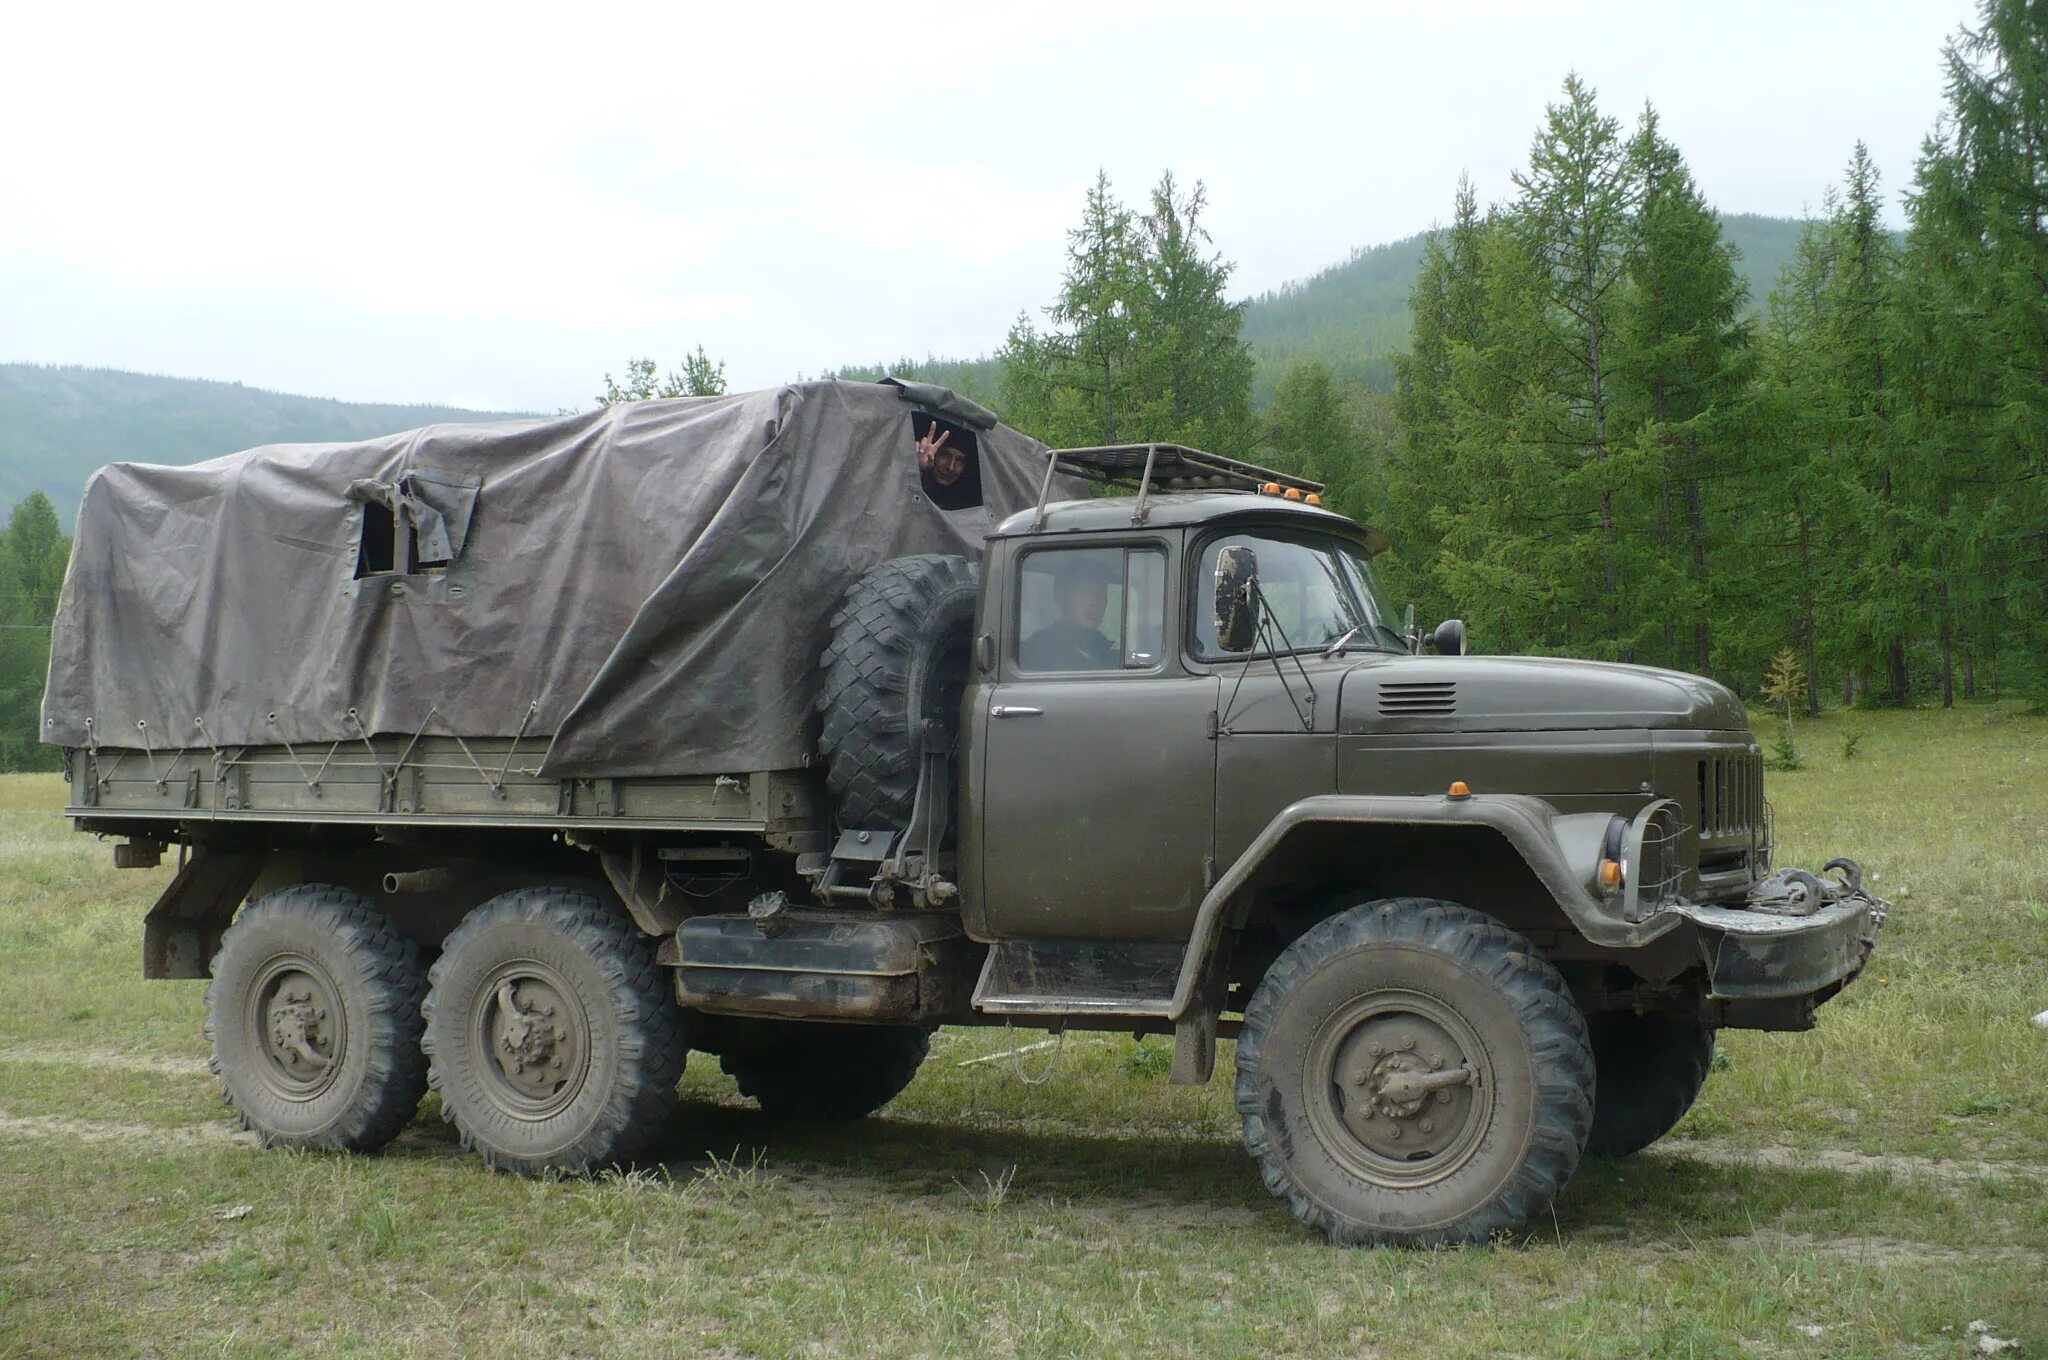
1013 711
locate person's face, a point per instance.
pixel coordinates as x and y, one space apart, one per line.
1083 602
948 464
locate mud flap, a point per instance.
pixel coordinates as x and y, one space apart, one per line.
183 930
1194 1048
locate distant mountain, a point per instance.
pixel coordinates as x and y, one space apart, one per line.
59 425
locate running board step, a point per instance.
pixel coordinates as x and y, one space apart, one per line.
1066 977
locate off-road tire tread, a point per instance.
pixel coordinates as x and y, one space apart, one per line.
1538 996
652 1040
1663 1079
840 1072
868 738
388 966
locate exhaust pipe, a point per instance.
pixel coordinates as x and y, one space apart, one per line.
420 881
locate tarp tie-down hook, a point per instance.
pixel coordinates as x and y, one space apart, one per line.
497 781
313 779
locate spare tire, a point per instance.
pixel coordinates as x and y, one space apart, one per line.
901 643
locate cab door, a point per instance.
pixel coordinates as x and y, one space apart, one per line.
1097 770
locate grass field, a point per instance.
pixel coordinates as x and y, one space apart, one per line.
1871 1188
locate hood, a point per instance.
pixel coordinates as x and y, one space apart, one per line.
1527 693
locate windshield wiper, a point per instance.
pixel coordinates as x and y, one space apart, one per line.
1338 646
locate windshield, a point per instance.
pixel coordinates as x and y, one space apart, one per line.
1318 588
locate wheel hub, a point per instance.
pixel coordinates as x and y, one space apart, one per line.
1405 1088
296 1021
535 1040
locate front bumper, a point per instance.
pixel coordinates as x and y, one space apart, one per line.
1769 971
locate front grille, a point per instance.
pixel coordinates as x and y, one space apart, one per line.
1418 698
1731 796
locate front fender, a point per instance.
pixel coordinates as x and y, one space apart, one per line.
1561 849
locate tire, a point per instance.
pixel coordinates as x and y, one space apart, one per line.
1650 1071
552 1034
899 652
1440 990
827 1071
313 1016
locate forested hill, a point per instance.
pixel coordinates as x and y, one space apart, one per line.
1354 316
58 425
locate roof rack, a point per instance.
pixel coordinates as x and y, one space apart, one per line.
1146 468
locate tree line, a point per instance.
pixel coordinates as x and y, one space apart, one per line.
33 555
1598 444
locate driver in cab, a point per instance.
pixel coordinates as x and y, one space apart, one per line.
1074 640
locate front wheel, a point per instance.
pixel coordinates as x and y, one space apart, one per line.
1413 1073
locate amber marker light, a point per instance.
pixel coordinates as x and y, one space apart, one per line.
1610 873
1314 499
1271 488
1459 789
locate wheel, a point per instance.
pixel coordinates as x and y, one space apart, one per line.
1650 1071
313 1016
1413 1073
899 653
553 1035
827 1071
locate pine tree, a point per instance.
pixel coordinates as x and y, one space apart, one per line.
1574 217
1142 343
1798 474
33 555
1871 528
1447 307
1309 432
1194 373
1974 330
1683 374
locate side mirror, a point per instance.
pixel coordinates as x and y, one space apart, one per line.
1449 638
1237 599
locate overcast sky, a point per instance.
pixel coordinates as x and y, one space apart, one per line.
491 207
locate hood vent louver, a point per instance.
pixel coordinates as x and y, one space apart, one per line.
1418 698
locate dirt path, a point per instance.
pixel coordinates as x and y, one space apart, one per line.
1777 1157
106 1060
43 1127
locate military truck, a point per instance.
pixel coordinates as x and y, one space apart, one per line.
520 761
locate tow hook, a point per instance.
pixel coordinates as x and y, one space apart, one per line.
1796 892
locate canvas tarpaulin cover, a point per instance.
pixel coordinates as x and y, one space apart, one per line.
644 590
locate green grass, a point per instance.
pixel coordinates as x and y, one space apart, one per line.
1828 1180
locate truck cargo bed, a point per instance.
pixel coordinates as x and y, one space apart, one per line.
425 780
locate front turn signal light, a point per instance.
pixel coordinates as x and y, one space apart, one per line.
1610 873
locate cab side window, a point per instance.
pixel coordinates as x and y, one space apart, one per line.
1091 609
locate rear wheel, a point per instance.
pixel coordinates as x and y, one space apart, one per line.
827 1071
1651 1069
1413 1073
554 1038
313 1016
